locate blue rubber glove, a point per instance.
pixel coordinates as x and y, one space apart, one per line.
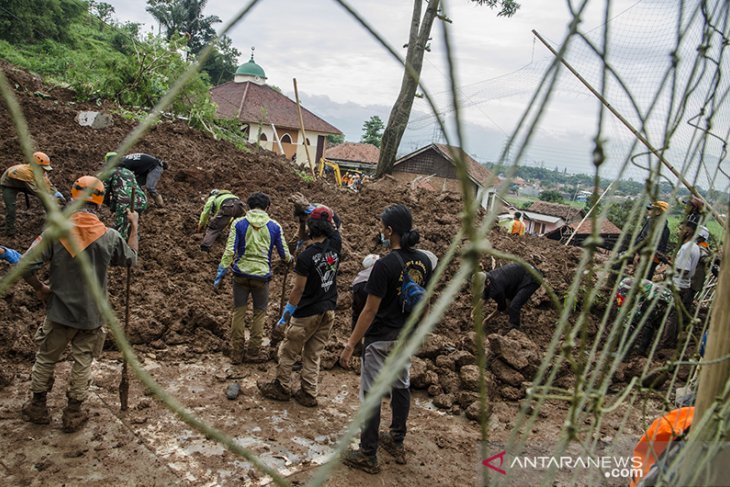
59 196
309 210
222 271
10 255
289 310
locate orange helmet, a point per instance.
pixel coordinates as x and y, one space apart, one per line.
89 189
42 159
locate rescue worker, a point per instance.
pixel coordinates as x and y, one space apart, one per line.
685 264
147 170
19 179
517 227
73 316
220 209
380 324
311 309
250 244
118 196
512 283
655 212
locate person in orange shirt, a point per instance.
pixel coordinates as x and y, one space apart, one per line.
19 179
517 227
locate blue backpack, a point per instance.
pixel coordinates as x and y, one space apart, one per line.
411 293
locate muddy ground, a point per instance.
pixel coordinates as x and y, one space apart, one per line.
180 325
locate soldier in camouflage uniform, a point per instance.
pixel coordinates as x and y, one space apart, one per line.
119 196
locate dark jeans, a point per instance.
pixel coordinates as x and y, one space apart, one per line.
230 209
152 178
520 298
10 195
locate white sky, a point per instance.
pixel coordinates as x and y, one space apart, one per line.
345 76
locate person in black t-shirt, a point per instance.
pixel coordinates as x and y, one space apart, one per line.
147 170
510 282
311 308
380 323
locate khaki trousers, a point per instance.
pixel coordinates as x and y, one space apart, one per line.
259 292
52 340
306 337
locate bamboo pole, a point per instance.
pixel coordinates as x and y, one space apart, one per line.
301 127
715 373
633 130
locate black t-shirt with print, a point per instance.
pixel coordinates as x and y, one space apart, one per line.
319 264
385 282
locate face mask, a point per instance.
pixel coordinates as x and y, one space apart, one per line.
384 241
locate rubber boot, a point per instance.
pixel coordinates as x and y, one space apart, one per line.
36 410
159 201
74 417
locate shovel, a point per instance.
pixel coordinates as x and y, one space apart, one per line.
124 383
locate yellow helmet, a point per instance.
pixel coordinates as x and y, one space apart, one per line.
81 186
660 205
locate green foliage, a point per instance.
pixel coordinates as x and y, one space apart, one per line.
222 63
618 213
551 196
305 176
33 21
185 18
335 139
372 131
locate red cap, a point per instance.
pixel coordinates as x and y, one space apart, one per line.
322 213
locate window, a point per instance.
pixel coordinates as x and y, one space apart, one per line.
286 139
263 137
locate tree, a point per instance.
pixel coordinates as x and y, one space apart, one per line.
372 131
417 45
551 195
184 17
222 63
334 139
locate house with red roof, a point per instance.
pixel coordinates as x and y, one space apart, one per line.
270 118
433 167
352 156
543 217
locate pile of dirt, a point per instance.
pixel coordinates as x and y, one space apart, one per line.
173 302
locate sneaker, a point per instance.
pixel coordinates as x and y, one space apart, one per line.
36 411
395 449
305 399
273 390
361 461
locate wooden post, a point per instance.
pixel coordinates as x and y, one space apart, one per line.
714 376
301 127
278 141
636 133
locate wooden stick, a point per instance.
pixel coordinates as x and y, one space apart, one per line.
124 383
714 375
301 127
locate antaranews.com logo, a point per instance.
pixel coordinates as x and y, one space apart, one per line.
526 467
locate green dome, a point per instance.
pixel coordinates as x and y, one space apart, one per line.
251 69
